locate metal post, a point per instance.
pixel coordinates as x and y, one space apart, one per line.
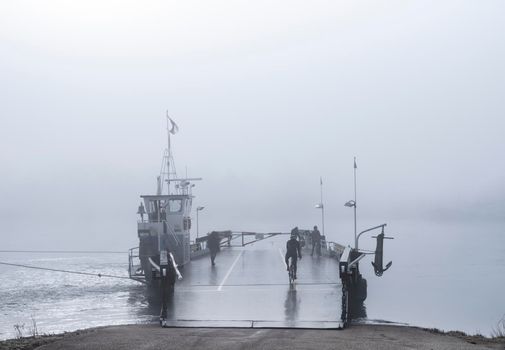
158 209
355 204
322 205
197 222
322 214
168 155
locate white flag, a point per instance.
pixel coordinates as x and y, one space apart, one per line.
173 128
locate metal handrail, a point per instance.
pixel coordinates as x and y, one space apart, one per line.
368 230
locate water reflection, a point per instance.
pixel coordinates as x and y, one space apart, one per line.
146 301
315 267
358 310
213 280
291 305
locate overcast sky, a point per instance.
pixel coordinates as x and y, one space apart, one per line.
268 96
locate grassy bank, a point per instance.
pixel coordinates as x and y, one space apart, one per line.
33 342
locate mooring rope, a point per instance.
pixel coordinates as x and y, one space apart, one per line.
65 271
66 251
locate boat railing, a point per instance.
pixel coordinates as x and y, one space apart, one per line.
147 221
198 246
335 249
135 270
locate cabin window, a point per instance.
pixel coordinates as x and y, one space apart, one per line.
174 205
153 207
153 212
157 210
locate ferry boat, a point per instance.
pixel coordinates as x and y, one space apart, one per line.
164 224
163 230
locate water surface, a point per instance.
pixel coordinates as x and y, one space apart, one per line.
448 276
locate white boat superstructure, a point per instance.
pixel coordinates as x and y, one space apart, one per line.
164 224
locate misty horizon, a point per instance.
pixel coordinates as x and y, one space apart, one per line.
268 99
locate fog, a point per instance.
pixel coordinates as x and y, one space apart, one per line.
268 99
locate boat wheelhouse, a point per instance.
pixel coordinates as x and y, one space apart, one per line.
164 225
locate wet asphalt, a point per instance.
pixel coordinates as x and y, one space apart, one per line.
249 287
353 338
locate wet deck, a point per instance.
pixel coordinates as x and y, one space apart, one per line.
248 287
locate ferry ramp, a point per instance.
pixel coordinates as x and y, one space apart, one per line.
249 287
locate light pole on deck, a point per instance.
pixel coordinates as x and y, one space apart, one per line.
352 204
197 210
321 205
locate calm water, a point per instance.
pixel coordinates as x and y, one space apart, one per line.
448 276
444 276
64 302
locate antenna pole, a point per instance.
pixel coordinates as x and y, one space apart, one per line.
168 154
322 205
355 204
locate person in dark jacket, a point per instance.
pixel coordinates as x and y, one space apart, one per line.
213 243
141 211
316 241
293 250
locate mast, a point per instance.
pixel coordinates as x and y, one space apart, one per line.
322 205
168 153
355 204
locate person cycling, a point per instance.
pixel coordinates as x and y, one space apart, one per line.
293 250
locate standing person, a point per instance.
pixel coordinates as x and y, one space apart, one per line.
293 250
141 211
213 243
295 232
316 241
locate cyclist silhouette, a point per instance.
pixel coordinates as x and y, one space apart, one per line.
293 249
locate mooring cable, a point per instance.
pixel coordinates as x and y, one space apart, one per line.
192 285
65 271
66 251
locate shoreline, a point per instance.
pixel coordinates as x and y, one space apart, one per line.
358 336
